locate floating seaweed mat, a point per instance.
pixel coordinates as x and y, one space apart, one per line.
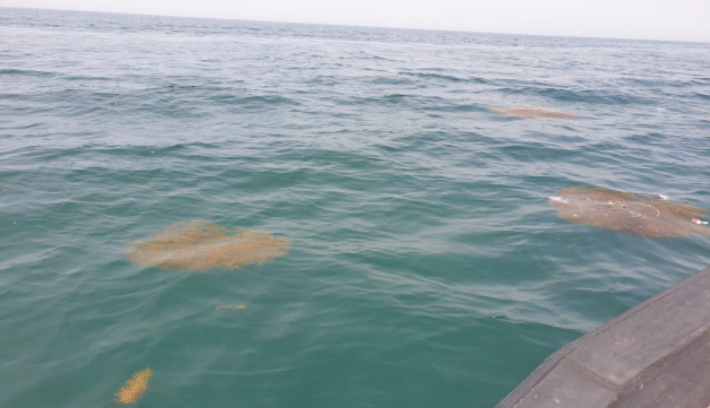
634 214
531 112
135 387
201 245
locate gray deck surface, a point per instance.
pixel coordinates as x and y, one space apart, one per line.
655 355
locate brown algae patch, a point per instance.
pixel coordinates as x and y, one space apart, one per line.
532 112
202 245
135 387
630 213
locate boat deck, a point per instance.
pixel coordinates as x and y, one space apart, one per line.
655 355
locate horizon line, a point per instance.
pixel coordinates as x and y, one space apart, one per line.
361 26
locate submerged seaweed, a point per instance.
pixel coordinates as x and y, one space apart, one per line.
634 214
531 112
229 307
135 387
201 245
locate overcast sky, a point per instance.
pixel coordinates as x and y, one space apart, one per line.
676 20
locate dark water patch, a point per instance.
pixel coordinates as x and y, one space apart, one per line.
27 126
648 139
533 152
359 101
657 83
87 78
255 101
5 73
443 77
328 80
568 95
168 107
90 153
457 108
13 96
397 99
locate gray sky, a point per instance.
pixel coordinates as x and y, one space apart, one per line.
677 20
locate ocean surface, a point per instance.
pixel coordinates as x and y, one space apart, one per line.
426 269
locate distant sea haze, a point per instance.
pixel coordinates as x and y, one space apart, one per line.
389 187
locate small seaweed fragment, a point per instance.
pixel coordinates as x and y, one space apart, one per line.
531 112
229 307
648 215
201 245
135 387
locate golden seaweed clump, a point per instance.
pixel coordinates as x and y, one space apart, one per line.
531 112
202 245
135 387
634 214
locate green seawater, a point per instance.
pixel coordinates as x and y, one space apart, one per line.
427 270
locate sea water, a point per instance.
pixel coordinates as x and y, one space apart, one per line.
426 268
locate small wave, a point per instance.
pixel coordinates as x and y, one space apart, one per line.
254 100
444 77
457 108
27 72
392 81
568 95
85 78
